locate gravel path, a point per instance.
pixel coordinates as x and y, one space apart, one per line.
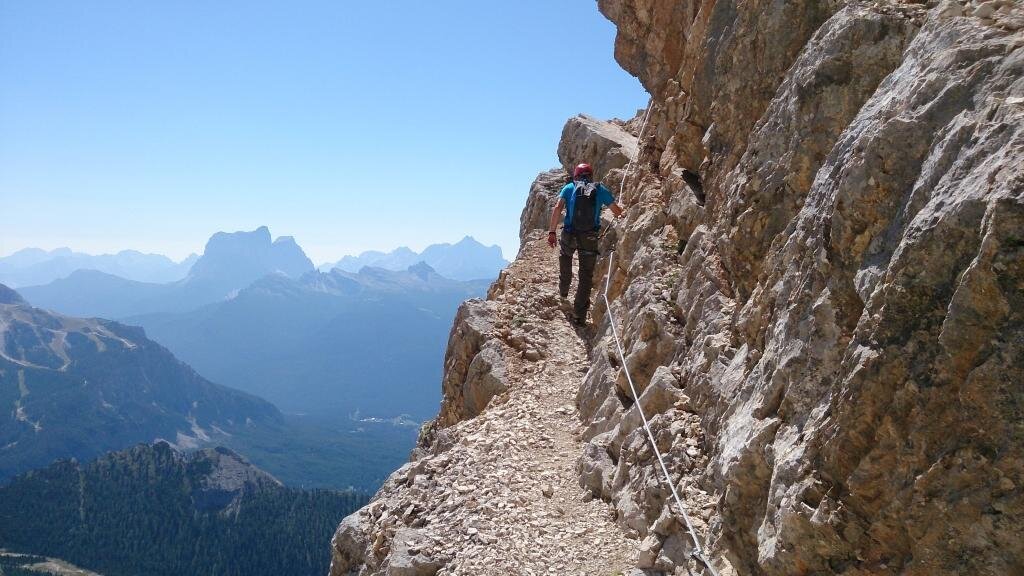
506 498
549 524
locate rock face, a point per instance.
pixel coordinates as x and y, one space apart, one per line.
474 369
839 299
819 287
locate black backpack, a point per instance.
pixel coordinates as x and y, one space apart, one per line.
584 208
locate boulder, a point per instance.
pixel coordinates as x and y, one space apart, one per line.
474 368
485 379
349 546
410 556
604 145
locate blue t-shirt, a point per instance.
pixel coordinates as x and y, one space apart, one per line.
568 193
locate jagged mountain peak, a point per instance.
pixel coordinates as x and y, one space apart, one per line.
260 235
242 242
466 259
234 260
230 262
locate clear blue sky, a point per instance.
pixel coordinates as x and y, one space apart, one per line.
349 125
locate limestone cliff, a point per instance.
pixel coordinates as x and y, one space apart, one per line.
820 288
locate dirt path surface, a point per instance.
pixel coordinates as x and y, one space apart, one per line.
531 445
505 498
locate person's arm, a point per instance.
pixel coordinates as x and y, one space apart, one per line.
605 197
556 214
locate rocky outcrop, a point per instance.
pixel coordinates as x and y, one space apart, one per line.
474 366
818 287
224 478
543 194
606 146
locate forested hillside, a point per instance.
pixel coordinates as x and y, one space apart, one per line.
154 511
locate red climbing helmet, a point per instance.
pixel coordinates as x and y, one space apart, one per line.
582 169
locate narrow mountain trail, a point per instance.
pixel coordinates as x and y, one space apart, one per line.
560 528
505 497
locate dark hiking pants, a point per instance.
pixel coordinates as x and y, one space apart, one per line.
586 244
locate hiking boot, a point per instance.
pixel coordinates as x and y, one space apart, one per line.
578 319
564 305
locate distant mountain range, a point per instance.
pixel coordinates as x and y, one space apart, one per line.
467 259
33 266
155 511
252 313
326 344
230 262
233 261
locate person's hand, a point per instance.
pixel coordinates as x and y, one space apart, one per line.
552 239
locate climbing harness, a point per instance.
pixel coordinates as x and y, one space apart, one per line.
698 550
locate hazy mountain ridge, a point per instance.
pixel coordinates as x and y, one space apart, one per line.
80 387
467 259
308 341
230 262
34 266
327 335
153 510
418 278
95 294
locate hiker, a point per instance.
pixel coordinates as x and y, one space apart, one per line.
580 231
